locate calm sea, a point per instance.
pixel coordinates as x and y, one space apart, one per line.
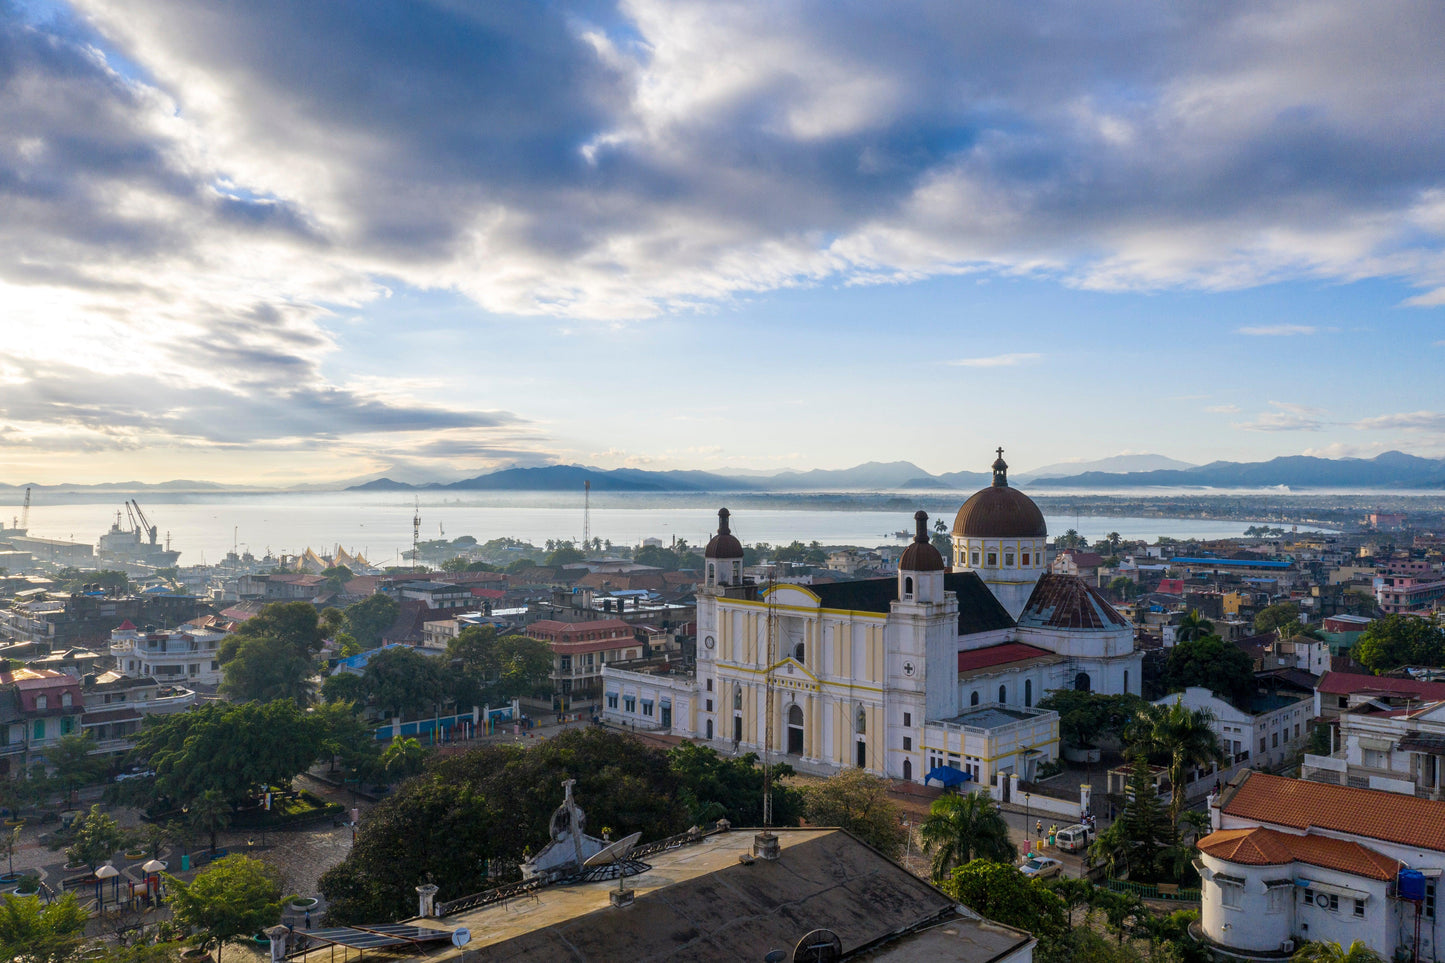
379 525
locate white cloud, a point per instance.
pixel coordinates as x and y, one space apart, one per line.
1287 416
1222 409
997 360
1406 420
1277 330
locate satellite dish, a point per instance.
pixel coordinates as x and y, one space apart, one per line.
819 946
461 936
612 852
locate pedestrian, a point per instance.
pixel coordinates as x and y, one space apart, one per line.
1039 828
308 919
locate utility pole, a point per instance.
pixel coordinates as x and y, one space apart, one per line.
416 538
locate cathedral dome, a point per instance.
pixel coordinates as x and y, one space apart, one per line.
1000 511
921 556
724 544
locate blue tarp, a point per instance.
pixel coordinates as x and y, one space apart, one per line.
947 775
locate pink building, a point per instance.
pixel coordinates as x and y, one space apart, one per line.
1408 594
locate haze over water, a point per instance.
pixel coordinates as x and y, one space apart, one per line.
202 527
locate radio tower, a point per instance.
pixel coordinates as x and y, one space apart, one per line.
416 538
586 515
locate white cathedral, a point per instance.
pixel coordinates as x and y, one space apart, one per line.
940 666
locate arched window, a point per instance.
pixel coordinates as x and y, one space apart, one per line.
737 572
908 587
1002 694
1028 692
798 652
908 770
1081 682
737 697
711 572
860 722
974 557
795 730
973 698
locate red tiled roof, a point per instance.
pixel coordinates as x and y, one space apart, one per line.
482 593
1068 602
1350 683
126 626
1002 654
1302 804
1269 847
568 631
109 715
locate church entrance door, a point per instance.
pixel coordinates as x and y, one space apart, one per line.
795 730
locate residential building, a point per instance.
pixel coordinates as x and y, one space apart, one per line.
116 706
436 595
1293 860
1338 692
1268 732
1409 594
581 649
1392 741
38 708
190 654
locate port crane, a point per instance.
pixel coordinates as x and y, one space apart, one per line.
22 524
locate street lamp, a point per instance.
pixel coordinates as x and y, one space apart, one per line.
1027 846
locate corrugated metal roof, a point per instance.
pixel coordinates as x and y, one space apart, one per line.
1068 602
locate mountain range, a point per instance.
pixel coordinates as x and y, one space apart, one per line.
1390 470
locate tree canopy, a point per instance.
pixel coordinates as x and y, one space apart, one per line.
1180 738
273 654
714 786
1273 616
998 891
39 932
1399 640
855 801
233 898
368 619
494 670
229 748
1137 843
406 682
1219 666
1087 717
960 828
97 838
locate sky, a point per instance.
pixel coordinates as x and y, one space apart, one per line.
274 243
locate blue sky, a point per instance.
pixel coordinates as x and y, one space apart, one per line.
275 243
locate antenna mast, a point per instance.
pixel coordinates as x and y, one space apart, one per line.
416 537
586 513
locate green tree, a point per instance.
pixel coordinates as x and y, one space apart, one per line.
97 838
1182 739
11 841
1193 626
713 787
1134 844
495 670
73 763
1274 616
232 749
960 828
336 578
1124 587
1326 952
1219 666
345 735
404 757
36 932
273 654
232 899
405 681
1399 640
368 619
565 554
998 891
343 687
858 802
1087 717
495 802
210 813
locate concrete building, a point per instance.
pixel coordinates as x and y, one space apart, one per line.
877 672
1409 594
1266 733
190 654
116 706
37 708
1293 860
581 649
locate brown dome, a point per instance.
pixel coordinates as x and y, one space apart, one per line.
1000 511
724 544
921 556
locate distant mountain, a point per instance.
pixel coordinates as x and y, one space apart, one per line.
870 475
570 478
176 485
1392 469
382 485
1114 464
956 481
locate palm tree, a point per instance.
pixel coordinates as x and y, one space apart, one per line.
1193 626
1183 737
210 813
403 757
1324 952
960 828
1113 539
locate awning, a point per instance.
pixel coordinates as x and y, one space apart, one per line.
1272 883
947 775
1222 878
1423 742
1331 888
1378 745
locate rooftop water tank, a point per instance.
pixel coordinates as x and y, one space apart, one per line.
1411 884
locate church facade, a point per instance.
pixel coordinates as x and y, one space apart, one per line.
941 665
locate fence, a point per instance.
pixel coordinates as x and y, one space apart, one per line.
1153 890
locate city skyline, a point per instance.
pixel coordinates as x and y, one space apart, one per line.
276 244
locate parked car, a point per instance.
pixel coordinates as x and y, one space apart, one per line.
1041 867
1074 839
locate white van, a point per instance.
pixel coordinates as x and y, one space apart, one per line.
1074 839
